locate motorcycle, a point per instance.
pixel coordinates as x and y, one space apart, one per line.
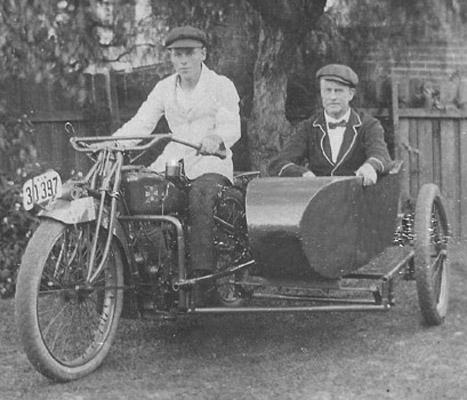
112 244
119 230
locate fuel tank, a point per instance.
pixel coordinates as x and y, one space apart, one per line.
319 228
150 193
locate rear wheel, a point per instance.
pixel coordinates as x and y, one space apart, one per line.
431 262
67 327
231 246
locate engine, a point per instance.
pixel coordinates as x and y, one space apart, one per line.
155 254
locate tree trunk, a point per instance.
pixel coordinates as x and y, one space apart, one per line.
268 126
284 24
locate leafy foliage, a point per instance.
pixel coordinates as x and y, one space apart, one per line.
52 40
16 228
397 21
203 14
16 225
45 37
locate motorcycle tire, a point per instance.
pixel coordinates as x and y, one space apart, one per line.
67 327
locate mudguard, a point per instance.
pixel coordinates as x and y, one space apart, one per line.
85 209
71 211
81 210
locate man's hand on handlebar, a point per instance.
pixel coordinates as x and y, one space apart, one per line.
211 145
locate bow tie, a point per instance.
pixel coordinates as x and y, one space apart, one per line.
334 125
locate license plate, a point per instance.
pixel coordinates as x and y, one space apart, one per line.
41 189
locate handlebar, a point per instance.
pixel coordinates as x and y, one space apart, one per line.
92 144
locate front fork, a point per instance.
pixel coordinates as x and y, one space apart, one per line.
111 171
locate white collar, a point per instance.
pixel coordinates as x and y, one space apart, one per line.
202 76
345 117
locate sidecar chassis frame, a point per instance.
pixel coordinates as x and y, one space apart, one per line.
382 292
394 264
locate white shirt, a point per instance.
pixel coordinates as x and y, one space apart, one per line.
186 98
210 108
336 135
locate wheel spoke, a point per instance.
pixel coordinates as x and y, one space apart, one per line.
74 251
58 335
431 261
438 239
46 328
231 245
59 259
73 318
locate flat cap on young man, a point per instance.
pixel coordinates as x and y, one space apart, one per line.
338 73
185 37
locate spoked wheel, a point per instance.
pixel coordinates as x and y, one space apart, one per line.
231 246
66 326
431 262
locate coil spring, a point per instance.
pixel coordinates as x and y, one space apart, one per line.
405 231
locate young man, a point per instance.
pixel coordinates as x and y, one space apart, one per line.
200 107
338 140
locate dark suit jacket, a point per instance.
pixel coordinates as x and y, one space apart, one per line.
363 142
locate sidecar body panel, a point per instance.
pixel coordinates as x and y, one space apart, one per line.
321 228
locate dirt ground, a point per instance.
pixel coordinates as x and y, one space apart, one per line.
329 356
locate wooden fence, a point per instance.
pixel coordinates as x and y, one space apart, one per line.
111 99
433 146
52 142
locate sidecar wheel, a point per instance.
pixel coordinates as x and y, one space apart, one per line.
65 327
231 245
431 262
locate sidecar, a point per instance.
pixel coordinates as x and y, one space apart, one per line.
331 244
322 228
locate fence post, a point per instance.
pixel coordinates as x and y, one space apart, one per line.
395 114
400 152
112 98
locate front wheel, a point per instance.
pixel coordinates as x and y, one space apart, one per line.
431 262
66 326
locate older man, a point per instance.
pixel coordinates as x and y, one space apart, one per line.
200 106
339 140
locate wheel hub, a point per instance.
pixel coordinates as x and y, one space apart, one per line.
79 293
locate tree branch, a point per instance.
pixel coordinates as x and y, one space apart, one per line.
129 51
290 15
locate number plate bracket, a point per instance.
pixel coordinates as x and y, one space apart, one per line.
42 189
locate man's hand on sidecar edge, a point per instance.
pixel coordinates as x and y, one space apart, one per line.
212 145
368 173
308 174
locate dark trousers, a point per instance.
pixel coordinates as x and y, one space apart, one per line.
202 199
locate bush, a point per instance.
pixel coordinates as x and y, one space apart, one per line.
18 161
16 227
